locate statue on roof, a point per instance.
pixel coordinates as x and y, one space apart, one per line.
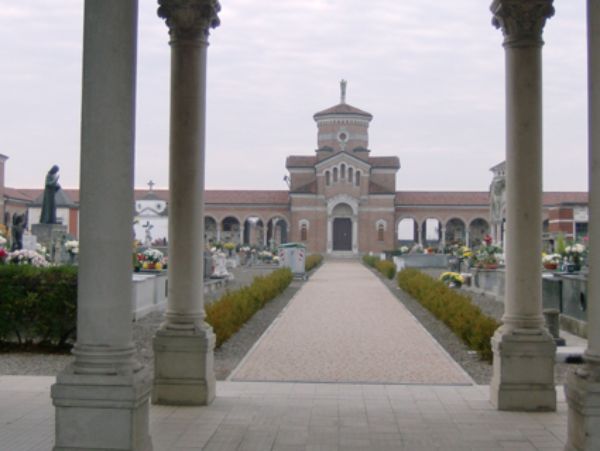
51 187
343 85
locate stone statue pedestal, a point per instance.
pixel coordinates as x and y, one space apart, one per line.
51 236
48 233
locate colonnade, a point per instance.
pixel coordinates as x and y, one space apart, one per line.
102 399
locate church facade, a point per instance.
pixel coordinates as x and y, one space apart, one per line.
342 200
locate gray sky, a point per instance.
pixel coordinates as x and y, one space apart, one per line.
431 72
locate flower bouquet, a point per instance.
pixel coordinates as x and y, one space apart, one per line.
151 259
452 279
26 257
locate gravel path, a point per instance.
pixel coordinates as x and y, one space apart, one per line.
345 326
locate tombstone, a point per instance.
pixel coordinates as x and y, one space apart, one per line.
30 242
220 266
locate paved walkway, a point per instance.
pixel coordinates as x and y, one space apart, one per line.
345 326
270 416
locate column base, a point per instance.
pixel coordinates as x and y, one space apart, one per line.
583 398
102 412
183 367
523 377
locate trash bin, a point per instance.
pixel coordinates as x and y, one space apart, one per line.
292 255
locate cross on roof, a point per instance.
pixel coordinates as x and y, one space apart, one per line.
151 185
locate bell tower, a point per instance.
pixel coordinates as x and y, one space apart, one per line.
342 128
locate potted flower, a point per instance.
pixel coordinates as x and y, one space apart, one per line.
551 261
575 254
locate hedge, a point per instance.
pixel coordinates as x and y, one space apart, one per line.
38 305
312 261
385 267
229 313
370 260
454 309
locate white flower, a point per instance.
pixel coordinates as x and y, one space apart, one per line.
27 257
2 240
153 255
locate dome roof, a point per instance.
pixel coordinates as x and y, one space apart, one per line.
344 109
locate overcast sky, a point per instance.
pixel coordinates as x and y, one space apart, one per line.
431 72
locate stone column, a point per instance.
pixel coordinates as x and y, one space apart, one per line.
241 235
583 386
442 236
183 346
218 229
355 234
329 235
523 377
102 398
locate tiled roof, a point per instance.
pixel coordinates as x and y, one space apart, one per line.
442 198
305 161
342 108
246 197
385 162
565 197
309 188
375 188
17 194
302 161
479 198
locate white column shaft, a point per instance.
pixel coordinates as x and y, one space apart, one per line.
186 181
593 312
523 306
107 165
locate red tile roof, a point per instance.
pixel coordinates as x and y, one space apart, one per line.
305 161
565 197
301 161
479 198
442 198
343 108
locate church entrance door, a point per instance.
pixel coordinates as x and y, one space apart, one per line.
342 234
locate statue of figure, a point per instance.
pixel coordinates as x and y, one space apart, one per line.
498 192
48 215
18 226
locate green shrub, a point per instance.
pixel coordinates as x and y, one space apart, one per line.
38 305
370 260
312 261
386 267
454 309
228 314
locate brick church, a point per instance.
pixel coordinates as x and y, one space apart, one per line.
341 200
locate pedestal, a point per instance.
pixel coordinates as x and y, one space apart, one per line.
183 367
102 412
523 377
583 396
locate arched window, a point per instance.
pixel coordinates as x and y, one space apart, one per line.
327 178
350 174
343 171
357 178
335 175
380 232
303 232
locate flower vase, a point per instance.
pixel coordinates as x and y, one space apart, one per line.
551 266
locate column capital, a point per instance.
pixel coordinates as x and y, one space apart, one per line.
521 21
189 19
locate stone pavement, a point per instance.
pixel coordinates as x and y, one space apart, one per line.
344 325
426 403
273 416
